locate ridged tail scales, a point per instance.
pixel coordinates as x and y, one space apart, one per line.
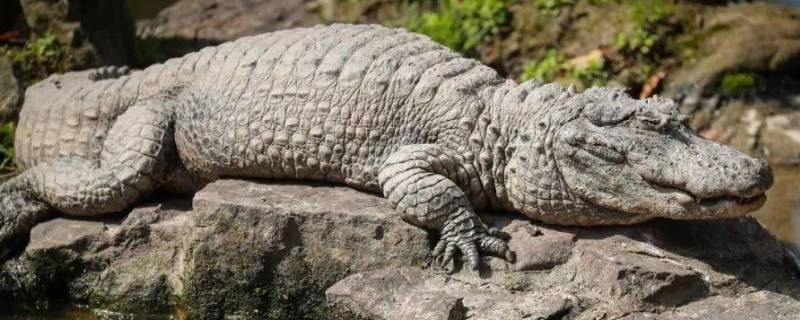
431 186
133 163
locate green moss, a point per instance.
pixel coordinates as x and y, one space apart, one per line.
463 24
40 57
7 147
734 84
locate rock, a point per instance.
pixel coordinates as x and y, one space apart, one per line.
632 278
367 291
657 270
535 250
239 249
417 294
189 25
219 20
735 41
10 92
757 305
267 250
780 138
99 32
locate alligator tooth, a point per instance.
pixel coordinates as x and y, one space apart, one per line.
683 198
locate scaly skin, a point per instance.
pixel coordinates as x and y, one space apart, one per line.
378 109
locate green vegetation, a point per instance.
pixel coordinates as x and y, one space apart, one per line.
639 41
544 69
40 57
584 71
463 24
589 69
647 16
553 6
739 83
7 148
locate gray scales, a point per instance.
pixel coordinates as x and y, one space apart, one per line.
378 109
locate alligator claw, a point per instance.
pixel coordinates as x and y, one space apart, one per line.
492 242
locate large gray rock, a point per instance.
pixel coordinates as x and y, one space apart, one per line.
10 92
254 250
220 20
239 249
656 270
735 40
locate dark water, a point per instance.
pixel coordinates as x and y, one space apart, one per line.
61 314
80 313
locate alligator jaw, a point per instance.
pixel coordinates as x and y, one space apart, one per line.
717 207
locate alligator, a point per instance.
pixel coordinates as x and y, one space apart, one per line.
382 110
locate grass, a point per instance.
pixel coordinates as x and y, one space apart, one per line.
463 24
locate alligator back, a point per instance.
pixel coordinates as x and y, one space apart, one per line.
363 74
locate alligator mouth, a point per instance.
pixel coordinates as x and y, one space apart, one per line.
740 201
728 205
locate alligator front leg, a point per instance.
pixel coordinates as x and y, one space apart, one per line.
427 183
132 164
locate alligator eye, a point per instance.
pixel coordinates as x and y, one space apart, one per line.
653 123
605 115
605 153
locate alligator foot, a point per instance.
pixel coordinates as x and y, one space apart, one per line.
465 234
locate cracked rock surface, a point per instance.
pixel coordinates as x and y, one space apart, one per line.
255 250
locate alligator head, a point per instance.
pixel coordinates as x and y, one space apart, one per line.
615 159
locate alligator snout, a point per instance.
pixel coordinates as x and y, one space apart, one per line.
710 170
756 178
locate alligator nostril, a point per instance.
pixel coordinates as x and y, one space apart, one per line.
759 178
765 173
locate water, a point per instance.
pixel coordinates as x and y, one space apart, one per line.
60 314
83 313
781 213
